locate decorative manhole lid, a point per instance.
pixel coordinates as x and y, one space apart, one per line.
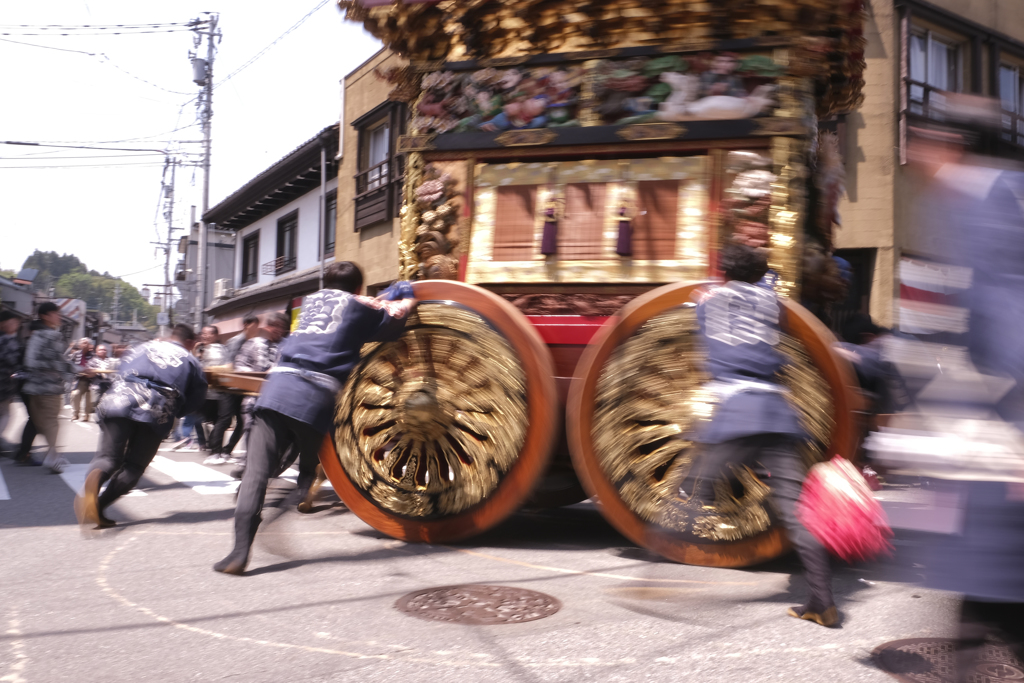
933 660
478 605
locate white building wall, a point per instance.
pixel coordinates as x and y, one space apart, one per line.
308 240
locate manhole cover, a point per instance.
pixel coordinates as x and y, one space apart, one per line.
933 660
478 605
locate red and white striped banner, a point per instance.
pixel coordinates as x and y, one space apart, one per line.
928 295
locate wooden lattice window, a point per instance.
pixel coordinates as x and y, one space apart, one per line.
514 221
581 234
654 227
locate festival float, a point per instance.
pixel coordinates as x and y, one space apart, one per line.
570 170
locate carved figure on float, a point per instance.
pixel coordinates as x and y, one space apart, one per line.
681 105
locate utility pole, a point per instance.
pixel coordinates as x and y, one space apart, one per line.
167 249
117 299
166 245
202 75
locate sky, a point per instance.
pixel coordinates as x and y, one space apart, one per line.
133 91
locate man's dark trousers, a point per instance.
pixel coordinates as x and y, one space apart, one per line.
28 433
126 449
270 437
776 460
207 415
229 407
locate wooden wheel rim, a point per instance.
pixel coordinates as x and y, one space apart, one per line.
517 484
817 340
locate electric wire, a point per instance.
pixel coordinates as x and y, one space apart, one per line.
111 142
267 48
127 32
119 165
145 270
48 47
103 59
75 27
106 60
91 156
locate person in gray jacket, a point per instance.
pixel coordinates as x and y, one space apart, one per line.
47 369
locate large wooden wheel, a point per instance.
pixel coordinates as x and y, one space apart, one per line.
445 432
637 393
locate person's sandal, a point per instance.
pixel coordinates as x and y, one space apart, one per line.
305 506
86 505
827 618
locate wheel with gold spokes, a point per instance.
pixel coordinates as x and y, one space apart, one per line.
443 433
639 390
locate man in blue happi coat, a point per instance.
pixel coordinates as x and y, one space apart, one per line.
155 382
755 426
296 403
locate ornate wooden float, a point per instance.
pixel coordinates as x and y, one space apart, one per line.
570 170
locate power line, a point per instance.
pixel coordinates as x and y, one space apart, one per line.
125 32
148 163
111 142
276 41
47 47
90 156
24 143
103 58
106 60
86 156
75 27
146 270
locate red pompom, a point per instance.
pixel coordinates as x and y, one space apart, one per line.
838 509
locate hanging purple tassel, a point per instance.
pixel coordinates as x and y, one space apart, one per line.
624 245
549 240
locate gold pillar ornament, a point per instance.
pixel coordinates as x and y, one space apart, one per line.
437 206
408 261
788 199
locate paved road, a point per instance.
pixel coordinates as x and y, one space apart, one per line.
140 602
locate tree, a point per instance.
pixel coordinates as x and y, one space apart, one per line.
98 293
52 266
70 278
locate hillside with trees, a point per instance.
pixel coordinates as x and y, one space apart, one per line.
70 278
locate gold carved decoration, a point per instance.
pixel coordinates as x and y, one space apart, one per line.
779 126
408 261
689 46
651 131
502 62
429 424
788 201
438 208
651 396
415 143
508 32
526 137
427 67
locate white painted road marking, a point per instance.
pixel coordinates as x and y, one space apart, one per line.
199 478
291 474
4 493
74 477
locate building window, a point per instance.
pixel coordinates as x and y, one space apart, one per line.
330 220
379 177
287 232
250 258
1011 95
935 65
376 153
